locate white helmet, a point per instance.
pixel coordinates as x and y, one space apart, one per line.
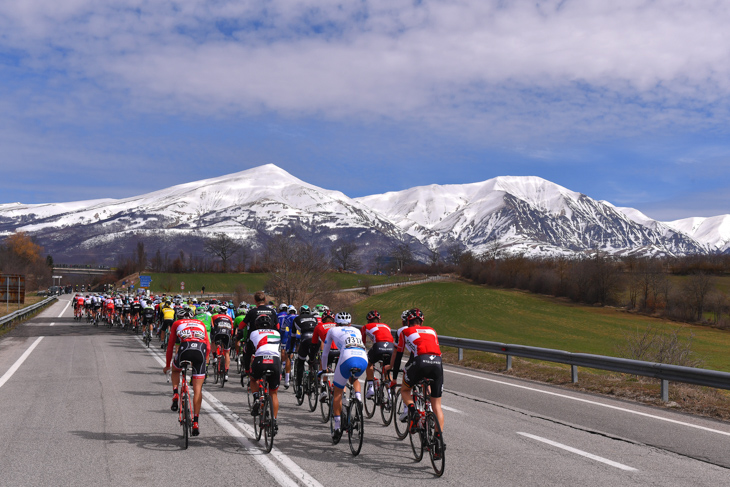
343 318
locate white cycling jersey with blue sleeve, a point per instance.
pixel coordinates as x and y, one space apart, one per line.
352 353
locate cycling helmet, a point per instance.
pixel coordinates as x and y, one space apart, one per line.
413 314
263 322
373 315
343 318
283 307
327 314
404 316
292 310
304 309
189 312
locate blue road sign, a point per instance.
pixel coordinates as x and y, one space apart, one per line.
144 281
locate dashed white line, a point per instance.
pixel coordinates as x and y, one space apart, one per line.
52 324
19 362
595 403
453 410
64 309
579 452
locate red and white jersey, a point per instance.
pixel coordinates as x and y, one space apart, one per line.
320 333
188 330
377 332
266 342
80 301
419 340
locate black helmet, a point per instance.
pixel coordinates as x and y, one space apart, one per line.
263 322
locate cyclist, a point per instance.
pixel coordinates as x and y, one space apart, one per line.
333 353
222 330
285 332
204 316
423 344
261 309
136 311
304 324
168 317
148 317
194 346
265 342
352 363
382 349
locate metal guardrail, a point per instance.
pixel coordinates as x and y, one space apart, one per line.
7 320
664 372
393 284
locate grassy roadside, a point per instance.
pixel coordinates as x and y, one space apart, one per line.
13 307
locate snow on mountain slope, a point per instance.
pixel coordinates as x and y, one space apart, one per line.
713 231
514 211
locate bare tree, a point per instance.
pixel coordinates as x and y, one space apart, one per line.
656 345
140 256
454 253
297 270
697 287
223 247
345 257
402 255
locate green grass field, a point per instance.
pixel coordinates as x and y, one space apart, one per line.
470 311
226 283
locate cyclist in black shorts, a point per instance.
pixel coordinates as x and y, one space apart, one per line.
304 324
222 332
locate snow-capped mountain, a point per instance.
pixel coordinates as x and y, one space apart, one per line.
523 214
526 215
713 231
250 205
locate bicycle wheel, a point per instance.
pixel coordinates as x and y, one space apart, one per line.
238 363
355 428
268 421
258 422
332 426
215 371
371 403
325 407
435 442
312 391
186 418
299 389
417 442
249 394
401 429
386 404
222 370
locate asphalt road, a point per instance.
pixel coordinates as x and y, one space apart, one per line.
90 406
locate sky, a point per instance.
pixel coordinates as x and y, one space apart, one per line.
625 101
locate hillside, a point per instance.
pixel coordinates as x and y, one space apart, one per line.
471 311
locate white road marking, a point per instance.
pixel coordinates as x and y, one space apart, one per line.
64 309
580 452
453 410
258 454
595 403
52 324
19 362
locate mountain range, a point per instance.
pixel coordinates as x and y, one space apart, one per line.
526 215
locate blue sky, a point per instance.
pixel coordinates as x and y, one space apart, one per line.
623 101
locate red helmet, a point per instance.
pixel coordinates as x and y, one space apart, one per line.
413 314
373 315
328 314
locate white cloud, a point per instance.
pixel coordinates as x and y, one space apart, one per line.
386 57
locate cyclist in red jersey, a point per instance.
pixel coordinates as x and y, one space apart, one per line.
382 349
423 344
320 333
194 347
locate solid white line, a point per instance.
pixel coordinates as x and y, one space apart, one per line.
453 410
64 309
19 362
580 452
595 403
258 455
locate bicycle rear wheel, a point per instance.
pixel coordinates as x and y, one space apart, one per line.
268 420
386 404
325 407
312 391
249 394
417 443
215 371
222 370
401 429
355 429
435 442
186 423
299 389
258 422
371 403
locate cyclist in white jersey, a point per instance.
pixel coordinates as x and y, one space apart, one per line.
353 362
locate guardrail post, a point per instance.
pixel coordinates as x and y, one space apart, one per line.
574 374
461 354
509 362
665 390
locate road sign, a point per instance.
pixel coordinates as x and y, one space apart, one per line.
182 287
57 277
182 283
144 281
